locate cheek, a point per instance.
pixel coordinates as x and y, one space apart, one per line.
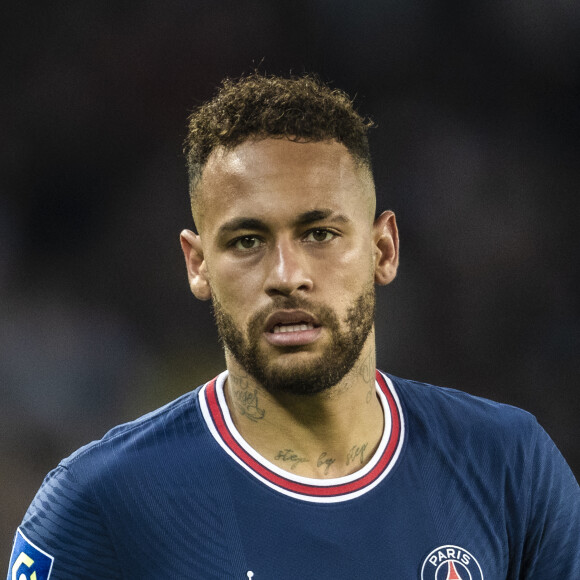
349 268
344 280
235 288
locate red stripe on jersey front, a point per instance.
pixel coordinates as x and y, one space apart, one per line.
219 421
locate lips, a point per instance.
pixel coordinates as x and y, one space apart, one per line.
291 328
290 321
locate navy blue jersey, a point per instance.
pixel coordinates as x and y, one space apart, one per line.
460 488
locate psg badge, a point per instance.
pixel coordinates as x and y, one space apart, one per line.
451 563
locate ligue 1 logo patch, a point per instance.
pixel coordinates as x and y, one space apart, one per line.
28 562
451 563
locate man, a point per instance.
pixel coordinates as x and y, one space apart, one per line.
301 460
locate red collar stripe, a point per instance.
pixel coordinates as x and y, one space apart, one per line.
218 419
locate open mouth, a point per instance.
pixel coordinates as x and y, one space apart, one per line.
292 328
290 321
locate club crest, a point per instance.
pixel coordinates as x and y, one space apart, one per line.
451 563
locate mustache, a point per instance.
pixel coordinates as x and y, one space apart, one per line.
323 313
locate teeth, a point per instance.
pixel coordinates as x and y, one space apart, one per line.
291 327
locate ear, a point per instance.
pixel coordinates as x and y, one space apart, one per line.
386 248
195 264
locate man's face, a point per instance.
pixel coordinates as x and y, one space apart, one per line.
289 255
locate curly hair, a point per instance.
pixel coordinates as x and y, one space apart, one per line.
258 106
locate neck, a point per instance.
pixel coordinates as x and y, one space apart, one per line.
326 435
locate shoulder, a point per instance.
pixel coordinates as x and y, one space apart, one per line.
101 496
498 456
433 400
456 417
140 443
81 502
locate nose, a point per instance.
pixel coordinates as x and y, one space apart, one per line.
288 270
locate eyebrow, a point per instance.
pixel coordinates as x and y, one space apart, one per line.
242 223
308 217
318 215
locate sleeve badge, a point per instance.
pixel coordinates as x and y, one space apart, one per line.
28 562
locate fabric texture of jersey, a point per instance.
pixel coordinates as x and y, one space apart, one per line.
460 487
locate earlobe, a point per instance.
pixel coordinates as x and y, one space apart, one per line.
195 264
386 245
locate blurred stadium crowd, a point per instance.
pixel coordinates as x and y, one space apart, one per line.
477 149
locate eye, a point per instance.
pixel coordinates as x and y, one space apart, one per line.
320 236
246 243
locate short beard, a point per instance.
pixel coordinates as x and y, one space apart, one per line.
304 379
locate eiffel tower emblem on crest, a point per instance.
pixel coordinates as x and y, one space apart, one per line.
452 572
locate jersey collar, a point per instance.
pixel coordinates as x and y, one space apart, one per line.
218 419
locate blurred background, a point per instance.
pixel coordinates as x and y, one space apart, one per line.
477 150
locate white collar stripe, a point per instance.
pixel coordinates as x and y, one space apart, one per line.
217 417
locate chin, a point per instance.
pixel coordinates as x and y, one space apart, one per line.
304 374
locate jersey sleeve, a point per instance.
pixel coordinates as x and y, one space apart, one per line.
63 535
553 532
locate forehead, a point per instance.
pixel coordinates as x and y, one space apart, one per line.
279 176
